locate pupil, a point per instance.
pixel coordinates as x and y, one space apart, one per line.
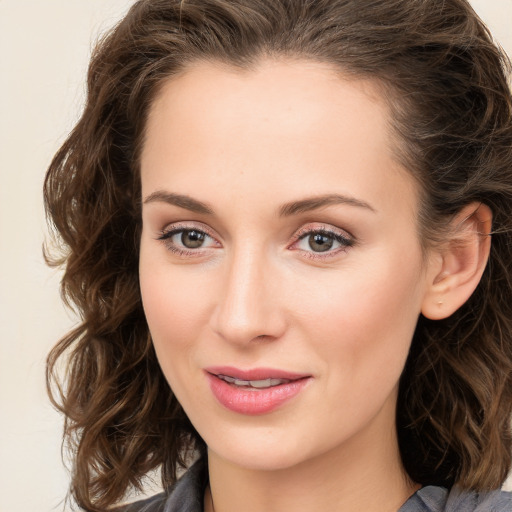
192 239
320 243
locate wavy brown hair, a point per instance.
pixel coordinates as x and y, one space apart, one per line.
446 84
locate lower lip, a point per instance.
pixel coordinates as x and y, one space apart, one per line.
253 401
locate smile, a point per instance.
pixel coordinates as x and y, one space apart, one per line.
257 391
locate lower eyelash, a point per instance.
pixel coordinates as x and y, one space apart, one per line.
345 242
180 252
166 235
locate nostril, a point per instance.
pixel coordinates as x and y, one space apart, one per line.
263 338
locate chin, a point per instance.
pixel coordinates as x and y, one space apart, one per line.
264 451
262 460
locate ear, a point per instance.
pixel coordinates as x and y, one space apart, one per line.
457 266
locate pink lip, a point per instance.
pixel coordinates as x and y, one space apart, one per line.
254 401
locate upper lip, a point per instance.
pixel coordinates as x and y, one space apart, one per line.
255 373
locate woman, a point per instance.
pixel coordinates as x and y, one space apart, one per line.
277 217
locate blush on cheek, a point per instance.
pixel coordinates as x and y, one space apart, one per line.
360 319
171 305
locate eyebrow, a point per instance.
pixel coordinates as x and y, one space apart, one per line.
286 210
179 200
314 203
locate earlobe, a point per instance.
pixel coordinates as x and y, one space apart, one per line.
459 263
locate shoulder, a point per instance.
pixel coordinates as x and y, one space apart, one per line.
153 504
186 495
439 499
491 501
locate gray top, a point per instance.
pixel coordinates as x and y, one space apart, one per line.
186 495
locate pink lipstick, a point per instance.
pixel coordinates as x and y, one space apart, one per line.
255 391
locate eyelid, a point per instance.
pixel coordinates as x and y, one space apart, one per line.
343 237
167 233
175 227
317 227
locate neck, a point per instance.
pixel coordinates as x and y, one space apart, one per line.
362 475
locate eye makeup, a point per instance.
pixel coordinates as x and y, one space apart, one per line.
314 241
188 240
324 241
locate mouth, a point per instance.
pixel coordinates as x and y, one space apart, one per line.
256 391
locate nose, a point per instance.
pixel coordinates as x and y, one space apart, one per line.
248 308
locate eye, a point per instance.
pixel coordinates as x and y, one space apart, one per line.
322 241
186 241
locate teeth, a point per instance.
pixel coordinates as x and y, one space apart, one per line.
266 383
258 384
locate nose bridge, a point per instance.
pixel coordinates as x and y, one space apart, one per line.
247 306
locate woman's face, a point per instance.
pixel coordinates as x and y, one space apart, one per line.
279 250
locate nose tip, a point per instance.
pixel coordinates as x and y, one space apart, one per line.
248 309
241 319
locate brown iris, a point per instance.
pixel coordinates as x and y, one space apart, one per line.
192 239
320 242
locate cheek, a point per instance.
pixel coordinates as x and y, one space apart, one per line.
162 305
364 320
171 304
174 316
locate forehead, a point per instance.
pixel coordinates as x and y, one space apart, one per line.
298 123
282 97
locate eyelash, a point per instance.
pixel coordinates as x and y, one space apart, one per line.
167 234
345 241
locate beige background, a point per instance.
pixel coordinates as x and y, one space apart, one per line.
44 48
